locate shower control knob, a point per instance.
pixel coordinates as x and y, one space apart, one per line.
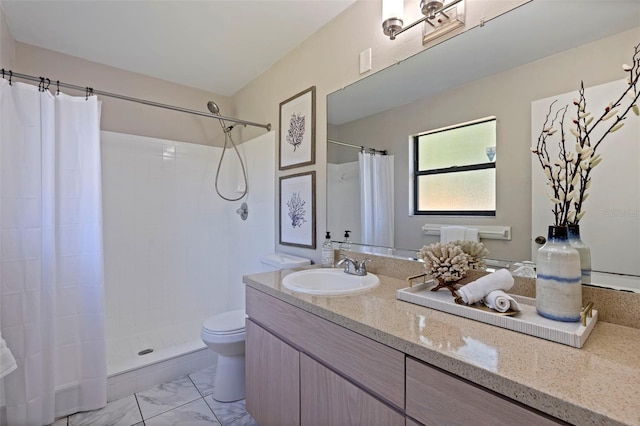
243 211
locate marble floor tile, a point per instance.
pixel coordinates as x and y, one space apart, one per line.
121 412
245 420
227 412
196 413
164 397
204 379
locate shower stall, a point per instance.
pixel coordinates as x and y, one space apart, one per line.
174 251
149 213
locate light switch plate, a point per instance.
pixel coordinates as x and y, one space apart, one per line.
365 61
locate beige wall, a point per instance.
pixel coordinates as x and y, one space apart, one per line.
7 45
508 96
329 60
128 117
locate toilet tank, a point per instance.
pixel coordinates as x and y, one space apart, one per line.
275 261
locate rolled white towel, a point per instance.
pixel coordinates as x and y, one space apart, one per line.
501 301
7 361
476 290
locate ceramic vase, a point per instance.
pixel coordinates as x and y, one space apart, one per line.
558 281
583 250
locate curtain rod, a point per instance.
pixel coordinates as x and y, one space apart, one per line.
361 148
90 91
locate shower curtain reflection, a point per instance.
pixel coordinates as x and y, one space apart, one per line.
51 269
376 198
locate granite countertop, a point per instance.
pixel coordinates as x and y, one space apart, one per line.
597 384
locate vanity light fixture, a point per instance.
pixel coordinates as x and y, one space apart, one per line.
440 17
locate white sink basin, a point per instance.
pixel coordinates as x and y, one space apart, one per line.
329 281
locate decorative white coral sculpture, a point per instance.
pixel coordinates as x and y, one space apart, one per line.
445 262
476 252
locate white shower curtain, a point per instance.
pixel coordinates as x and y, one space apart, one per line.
376 198
51 269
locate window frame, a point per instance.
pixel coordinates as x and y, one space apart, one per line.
416 173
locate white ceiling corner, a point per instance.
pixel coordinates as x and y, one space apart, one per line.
214 45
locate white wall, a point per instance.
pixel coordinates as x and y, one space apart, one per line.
7 45
174 250
253 237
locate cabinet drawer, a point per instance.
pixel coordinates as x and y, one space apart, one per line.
376 367
437 398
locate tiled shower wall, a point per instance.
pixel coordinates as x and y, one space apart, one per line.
173 252
343 200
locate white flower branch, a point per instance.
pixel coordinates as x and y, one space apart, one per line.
570 175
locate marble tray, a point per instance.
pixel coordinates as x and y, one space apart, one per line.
527 321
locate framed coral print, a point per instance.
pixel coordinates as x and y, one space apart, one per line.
297 210
297 138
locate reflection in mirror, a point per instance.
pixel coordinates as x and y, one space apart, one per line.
454 170
495 70
360 193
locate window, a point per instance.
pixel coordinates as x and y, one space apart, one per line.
454 170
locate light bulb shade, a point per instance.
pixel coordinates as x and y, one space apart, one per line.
392 15
392 9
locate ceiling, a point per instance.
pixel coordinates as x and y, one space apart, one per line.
214 45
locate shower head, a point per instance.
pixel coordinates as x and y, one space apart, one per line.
213 107
215 110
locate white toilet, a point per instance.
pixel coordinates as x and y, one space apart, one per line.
225 334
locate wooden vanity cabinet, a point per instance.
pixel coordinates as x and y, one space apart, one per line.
438 398
305 370
343 378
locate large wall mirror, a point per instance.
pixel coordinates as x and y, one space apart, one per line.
536 51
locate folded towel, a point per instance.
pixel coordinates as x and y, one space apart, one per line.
501 301
7 361
476 290
471 234
450 234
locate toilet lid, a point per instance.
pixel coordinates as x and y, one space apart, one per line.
226 322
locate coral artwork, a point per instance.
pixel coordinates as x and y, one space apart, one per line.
296 209
476 253
445 262
296 130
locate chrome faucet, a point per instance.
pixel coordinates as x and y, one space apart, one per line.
353 267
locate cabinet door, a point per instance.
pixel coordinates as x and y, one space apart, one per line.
327 399
273 378
437 398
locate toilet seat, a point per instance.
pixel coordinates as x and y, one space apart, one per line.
232 322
